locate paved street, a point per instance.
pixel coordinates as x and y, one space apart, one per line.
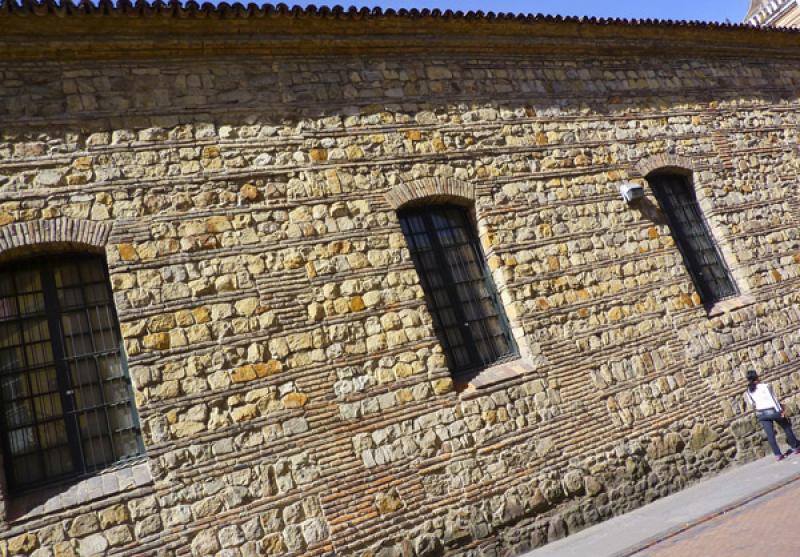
748 511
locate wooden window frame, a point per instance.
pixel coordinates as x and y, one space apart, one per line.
664 184
477 362
53 310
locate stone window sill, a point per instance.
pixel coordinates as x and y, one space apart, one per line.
495 375
124 477
730 304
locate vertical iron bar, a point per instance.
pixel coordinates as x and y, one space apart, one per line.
53 310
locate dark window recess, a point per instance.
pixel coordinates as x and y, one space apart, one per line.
711 276
461 296
67 405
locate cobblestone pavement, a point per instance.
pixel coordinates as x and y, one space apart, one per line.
769 525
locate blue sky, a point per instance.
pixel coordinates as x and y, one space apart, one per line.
705 10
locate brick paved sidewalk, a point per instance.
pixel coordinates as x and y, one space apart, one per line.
744 512
767 525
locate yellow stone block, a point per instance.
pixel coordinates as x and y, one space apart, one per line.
118 514
50 212
244 413
76 180
341 305
403 370
218 224
272 544
268 368
201 314
249 192
311 271
161 323
82 163
441 386
63 549
183 318
211 152
157 341
388 503
318 155
247 306
243 374
357 303
354 152
127 252
294 400
23 544
405 395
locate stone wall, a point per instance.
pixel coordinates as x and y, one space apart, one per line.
293 396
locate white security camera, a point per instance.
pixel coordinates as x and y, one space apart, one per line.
631 192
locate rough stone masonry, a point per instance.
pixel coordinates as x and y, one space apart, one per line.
241 171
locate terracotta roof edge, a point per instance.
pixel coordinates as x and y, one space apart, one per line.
236 10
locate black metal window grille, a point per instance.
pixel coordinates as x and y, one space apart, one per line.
66 397
461 296
711 276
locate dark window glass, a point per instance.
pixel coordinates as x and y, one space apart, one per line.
703 259
67 408
461 296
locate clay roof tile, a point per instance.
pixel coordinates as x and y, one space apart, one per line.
190 9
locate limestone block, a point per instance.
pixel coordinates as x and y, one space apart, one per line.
113 516
156 341
205 543
272 544
95 544
23 544
388 502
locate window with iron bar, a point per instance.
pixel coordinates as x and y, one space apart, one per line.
710 275
467 315
67 404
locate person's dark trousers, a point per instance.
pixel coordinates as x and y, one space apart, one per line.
770 431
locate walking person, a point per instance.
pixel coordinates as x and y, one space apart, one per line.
769 411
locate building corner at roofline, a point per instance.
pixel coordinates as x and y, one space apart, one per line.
774 13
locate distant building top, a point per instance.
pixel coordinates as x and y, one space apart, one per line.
774 13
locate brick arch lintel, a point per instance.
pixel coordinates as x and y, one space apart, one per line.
429 191
663 161
43 236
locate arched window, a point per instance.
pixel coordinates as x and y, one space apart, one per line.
711 276
67 406
461 296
